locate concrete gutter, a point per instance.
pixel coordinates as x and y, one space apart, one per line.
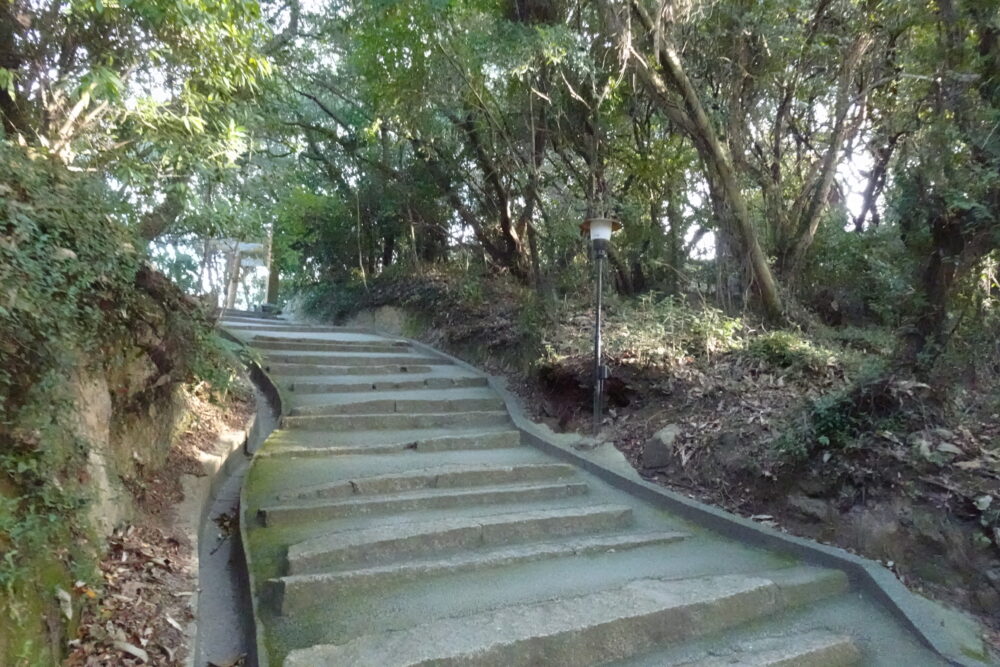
269 389
272 395
200 493
936 626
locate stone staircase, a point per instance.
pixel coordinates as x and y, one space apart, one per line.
395 518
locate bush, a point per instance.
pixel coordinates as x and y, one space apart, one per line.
868 274
785 349
655 329
67 267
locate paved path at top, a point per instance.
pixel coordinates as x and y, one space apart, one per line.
397 519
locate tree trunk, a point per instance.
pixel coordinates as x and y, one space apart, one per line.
623 279
730 273
388 250
957 246
272 272
811 216
674 258
875 185
677 98
15 120
234 278
158 221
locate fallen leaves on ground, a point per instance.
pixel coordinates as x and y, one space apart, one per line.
138 616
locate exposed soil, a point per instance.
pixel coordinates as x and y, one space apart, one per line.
138 613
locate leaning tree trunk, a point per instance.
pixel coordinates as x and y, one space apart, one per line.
675 95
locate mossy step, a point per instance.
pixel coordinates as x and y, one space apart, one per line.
284 326
584 630
425 499
394 442
250 318
283 344
361 406
813 649
296 593
294 437
354 359
448 476
352 385
317 369
396 421
383 544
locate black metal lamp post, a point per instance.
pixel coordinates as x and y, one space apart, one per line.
600 230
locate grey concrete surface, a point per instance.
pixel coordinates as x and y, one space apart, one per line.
610 573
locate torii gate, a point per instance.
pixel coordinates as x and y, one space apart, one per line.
241 255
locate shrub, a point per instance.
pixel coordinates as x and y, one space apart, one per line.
785 349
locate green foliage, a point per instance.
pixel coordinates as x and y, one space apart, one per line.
829 423
877 341
214 361
334 301
43 460
867 275
654 331
63 284
67 271
833 422
786 349
76 303
202 54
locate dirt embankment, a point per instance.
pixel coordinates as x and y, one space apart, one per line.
140 610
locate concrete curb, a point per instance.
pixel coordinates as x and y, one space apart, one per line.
216 473
272 394
201 492
270 390
868 575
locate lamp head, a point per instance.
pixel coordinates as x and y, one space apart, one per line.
600 229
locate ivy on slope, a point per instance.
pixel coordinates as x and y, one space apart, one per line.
77 301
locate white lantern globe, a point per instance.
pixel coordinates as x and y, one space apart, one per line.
600 229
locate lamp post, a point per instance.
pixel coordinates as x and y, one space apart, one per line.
600 230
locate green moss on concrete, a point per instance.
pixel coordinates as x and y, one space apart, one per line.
35 630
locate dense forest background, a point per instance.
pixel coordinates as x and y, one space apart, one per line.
807 271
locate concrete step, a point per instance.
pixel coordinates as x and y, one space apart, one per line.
354 359
380 545
426 499
316 369
270 343
395 442
378 436
813 649
439 477
284 326
396 421
589 629
295 593
370 406
250 318
350 385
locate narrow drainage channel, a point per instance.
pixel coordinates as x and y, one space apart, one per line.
225 614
